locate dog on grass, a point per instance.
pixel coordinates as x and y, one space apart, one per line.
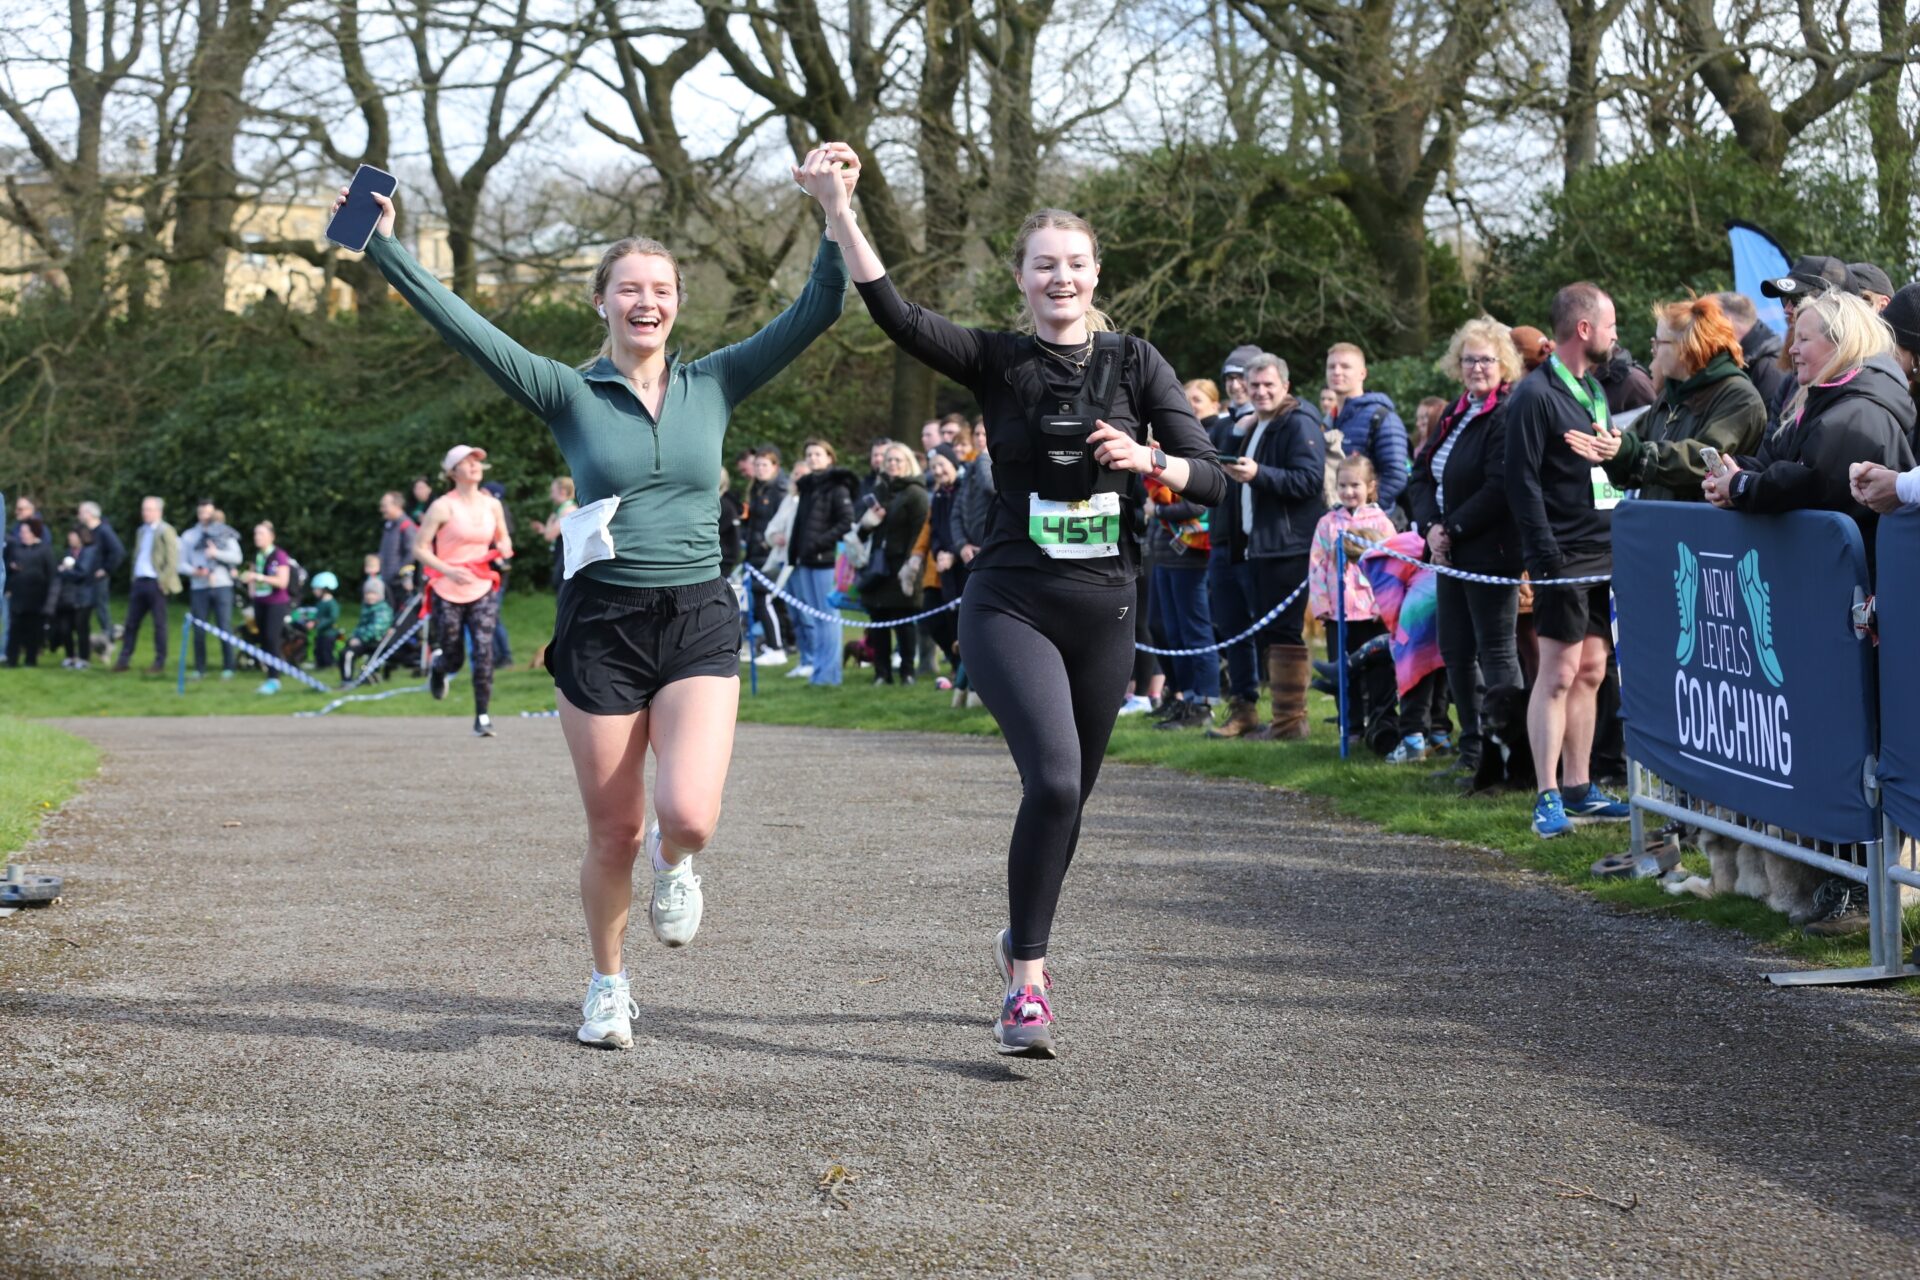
1506 753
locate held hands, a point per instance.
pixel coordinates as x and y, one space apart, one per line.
1439 545
829 174
1718 486
1600 446
1115 450
385 225
1873 486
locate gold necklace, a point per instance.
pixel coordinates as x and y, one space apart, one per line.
1086 354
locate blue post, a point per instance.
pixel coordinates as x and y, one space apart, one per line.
186 629
753 663
1340 636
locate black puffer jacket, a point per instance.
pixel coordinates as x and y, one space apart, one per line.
906 504
823 516
1867 417
1477 519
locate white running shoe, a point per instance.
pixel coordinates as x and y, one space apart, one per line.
772 657
801 672
1136 705
677 901
608 1014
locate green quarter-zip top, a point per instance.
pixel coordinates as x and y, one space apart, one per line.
665 471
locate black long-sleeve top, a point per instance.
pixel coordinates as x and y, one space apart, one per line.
1549 486
1149 399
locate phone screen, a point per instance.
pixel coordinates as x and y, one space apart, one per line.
352 227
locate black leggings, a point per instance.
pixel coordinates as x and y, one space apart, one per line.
1050 657
884 638
450 622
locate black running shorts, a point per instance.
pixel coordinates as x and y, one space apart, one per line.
1571 614
614 648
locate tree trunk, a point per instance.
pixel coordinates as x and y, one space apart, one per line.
1396 233
1893 146
1580 115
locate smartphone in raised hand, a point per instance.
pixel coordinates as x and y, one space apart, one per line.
1710 456
352 226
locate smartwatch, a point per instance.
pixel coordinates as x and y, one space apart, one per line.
1159 464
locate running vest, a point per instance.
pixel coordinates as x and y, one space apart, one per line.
1065 469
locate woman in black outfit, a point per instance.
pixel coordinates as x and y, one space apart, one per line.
822 516
1459 500
1047 619
887 589
30 571
943 470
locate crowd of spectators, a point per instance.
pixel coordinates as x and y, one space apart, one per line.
1512 478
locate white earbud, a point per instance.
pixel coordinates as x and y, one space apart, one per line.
602 311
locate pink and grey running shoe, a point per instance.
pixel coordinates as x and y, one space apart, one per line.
1003 955
1026 1025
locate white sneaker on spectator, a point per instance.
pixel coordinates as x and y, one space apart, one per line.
1135 705
772 657
677 901
608 1013
801 672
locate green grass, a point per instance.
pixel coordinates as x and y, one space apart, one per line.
39 768
1397 798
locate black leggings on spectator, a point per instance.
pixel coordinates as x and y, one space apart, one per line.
883 640
450 624
1051 658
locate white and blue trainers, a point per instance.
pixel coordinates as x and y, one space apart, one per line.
608 1013
677 901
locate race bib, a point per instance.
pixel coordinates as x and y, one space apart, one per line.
585 534
1084 530
1605 496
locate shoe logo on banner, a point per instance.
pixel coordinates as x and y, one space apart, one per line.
1726 631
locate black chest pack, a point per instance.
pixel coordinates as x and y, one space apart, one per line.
1064 466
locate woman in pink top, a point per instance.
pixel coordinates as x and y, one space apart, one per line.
461 535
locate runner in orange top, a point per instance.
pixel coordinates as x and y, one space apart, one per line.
463 533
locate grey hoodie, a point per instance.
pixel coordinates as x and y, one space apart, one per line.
215 547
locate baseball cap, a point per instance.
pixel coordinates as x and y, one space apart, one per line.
1811 275
458 454
1864 278
1236 365
1903 317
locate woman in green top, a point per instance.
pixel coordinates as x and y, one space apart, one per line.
645 650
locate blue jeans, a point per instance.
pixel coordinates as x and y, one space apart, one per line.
215 605
1180 603
1233 599
819 639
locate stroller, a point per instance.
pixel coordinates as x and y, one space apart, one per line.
410 655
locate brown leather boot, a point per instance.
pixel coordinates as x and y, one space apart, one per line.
1289 667
1242 719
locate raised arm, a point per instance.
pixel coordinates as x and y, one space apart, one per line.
746 366
541 385
943 346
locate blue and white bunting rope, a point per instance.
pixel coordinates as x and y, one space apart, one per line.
1216 647
260 655
1448 571
827 616
382 696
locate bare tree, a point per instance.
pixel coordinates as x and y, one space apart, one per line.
1397 77
1823 71
104 43
228 37
533 57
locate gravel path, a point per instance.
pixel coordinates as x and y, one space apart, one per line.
298 1018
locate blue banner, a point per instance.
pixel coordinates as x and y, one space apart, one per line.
1758 256
1898 606
1742 678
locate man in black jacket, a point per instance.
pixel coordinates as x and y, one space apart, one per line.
1759 347
1268 518
112 553
1563 506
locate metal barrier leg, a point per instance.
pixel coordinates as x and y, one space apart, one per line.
753 665
186 627
1636 821
1886 964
